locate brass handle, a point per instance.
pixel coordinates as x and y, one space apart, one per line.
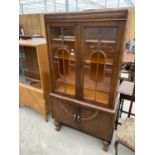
74 117
78 118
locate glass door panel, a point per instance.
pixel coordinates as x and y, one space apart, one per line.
98 54
28 66
63 56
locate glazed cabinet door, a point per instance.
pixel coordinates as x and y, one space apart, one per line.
63 38
99 57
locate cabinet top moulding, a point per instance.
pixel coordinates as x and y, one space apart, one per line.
95 15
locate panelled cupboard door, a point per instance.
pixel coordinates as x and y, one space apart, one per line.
99 53
64 112
96 122
63 42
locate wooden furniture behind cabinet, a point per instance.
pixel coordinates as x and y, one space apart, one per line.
34 76
85 51
33 24
127 92
128 67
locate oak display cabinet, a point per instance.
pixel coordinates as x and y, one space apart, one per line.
34 76
85 50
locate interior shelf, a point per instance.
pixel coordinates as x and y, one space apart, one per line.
65 39
67 89
88 93
30 81
72 58
100 96
101 41
31 70
108 61
88 40
28 59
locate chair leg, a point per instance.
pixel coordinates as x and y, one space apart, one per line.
117 115
117 118
130 108
116 121
121 106
116 147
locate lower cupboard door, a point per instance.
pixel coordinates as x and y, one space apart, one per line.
94 122
63 112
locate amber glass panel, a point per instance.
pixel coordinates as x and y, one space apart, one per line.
97 66
63 62
64 52
28 67
98 54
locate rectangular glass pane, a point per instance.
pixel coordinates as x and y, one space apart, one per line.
28 67
103 33
63 51
98 53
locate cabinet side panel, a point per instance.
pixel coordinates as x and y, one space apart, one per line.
44 72
32 98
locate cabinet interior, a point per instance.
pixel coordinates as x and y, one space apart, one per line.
96 59
28 67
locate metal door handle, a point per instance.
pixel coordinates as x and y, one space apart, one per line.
78 118
74 117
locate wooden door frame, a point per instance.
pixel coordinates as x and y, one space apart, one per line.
119 25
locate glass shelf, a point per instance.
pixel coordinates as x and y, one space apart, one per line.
88 40
101 41
59 39
31 70
30 81
108 62
28 59
99 96
66 89
71 58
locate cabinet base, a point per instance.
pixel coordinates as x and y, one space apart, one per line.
57 125
45 117
106 145
116 147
